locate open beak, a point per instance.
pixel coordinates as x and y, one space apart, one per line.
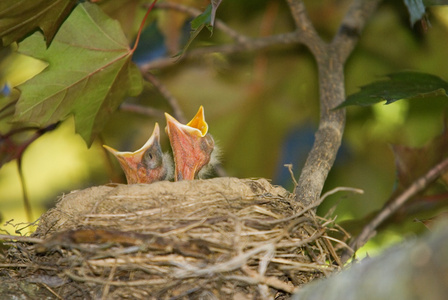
192 145
145 165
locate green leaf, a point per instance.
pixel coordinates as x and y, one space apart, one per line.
197 24
202 20
89 73
20 17
402 85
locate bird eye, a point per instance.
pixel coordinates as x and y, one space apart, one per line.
153 158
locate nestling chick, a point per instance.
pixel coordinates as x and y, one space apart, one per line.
148 164
192 146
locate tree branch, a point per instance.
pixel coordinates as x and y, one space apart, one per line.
416 187
250 44
305 29
172 101
143 110
330 61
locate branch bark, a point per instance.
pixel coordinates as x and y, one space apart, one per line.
330 60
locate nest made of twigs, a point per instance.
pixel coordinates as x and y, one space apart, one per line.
222 238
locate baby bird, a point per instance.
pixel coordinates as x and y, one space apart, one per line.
192 146
148 164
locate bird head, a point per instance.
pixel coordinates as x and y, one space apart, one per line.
146 165
191 143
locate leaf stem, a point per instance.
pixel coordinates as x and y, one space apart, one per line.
142 24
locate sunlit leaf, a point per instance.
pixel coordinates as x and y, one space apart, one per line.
89 74
17 68
402 85
20 17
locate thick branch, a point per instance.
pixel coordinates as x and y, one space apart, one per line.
330 60
352 26
305 28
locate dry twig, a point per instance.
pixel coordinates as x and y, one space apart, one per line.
416 187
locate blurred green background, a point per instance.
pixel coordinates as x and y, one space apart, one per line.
262 109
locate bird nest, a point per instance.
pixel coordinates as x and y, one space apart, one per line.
222 238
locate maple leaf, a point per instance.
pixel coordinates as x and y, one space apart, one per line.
20 17
401 85
125 12
89 73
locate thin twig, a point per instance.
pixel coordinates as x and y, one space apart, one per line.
51 291
234 263
115 283
143 110
256 278
26 199
416 187
291 172
177 111
248 45
25 239
341 189
107 285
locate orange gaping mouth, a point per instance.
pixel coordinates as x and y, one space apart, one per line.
190 150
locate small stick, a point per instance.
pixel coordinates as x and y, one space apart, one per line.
417 186
25 239
172 101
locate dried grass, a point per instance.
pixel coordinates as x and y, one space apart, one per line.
222 238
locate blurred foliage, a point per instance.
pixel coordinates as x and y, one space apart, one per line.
262 107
